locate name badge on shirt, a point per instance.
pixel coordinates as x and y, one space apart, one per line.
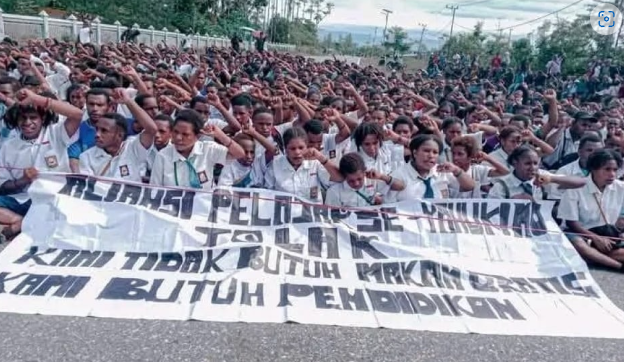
203 178
314 192
124 171
332 154
51 161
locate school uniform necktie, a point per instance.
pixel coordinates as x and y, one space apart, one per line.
193 176
429 194
527 187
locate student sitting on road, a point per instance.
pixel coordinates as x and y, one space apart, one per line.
115 156
592 212
361 187
42 146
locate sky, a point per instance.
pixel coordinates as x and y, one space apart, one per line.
409 13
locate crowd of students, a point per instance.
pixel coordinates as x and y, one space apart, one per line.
331 132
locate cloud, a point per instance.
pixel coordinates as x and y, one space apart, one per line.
409 13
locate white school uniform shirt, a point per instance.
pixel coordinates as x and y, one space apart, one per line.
565 146
85 35
571 169
234 172
342 195
48 152
415 187
329 147
59 80
479 173
304 182
501 156
126 165
260 150
515 187
382 163
219 123
446 155
169 163
580 204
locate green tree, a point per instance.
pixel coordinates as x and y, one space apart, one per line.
397 41
521 52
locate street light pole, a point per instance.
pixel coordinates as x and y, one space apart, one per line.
422 33
453 8
387 13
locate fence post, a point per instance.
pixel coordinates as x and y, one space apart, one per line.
74 26
165 30
197 38
135 26
119 31
45 25
2 22
177 37
152 34
98 30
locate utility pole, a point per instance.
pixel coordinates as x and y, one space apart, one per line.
422 33
387 13
453 8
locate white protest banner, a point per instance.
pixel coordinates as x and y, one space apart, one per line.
108 249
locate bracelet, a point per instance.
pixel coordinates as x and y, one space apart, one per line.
389 182
325 162
47 104
459 173
229 144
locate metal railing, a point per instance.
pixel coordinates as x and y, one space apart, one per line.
21 27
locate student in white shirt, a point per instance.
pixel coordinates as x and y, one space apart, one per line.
42 146
423 177
404 127
452 128
301 170
589 209
361 187
263 123
327 143
510 139
368 140
115 155
84 35
589 144
202 105
189 162
527 181
465 152
247 171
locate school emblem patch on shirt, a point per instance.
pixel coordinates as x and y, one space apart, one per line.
124 171
332 154
51 161
203 178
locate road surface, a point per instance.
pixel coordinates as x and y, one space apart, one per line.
30 338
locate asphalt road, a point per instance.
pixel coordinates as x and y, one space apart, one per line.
67 339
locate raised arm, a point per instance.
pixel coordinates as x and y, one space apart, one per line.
73 114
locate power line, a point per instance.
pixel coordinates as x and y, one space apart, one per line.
525 22
473 3
543 16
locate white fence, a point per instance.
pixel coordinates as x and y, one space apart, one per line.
20 27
